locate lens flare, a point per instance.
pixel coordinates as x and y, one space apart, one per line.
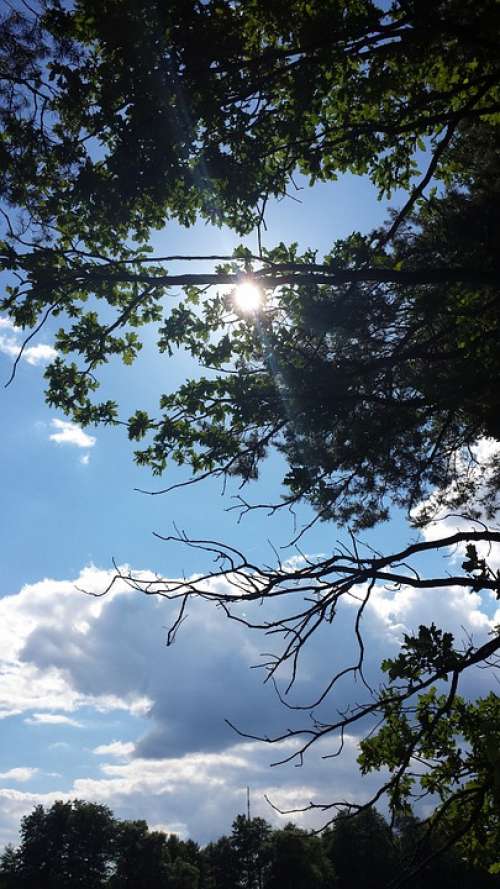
248 297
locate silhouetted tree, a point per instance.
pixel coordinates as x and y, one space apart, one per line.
70 844
250 840
221 866
141 857
362 851
359 850
299 861
183 875
10 868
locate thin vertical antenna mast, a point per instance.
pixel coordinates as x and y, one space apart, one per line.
248 803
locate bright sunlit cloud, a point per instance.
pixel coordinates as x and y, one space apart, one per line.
248 297
72 434
120 749
10 345
22 773
52 719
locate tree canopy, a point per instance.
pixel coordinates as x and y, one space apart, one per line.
117 120
65 845
130 113
372 389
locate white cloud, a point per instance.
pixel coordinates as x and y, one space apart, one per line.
85 460
9 346
177 827
486 452
22 773
199 795
63 650
70 433
52 719
37 611
7 324
11 343
39 354
120 749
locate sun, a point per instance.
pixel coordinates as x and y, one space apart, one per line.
248 297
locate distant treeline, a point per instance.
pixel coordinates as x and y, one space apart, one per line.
81 844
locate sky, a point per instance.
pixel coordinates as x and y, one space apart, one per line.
93 705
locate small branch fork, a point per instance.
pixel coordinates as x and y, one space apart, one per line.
315 589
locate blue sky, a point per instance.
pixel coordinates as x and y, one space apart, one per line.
93 705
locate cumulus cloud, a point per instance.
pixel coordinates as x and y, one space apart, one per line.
71 434
62 651
43 611
11 344
114 648
67 651
21 774
199 795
